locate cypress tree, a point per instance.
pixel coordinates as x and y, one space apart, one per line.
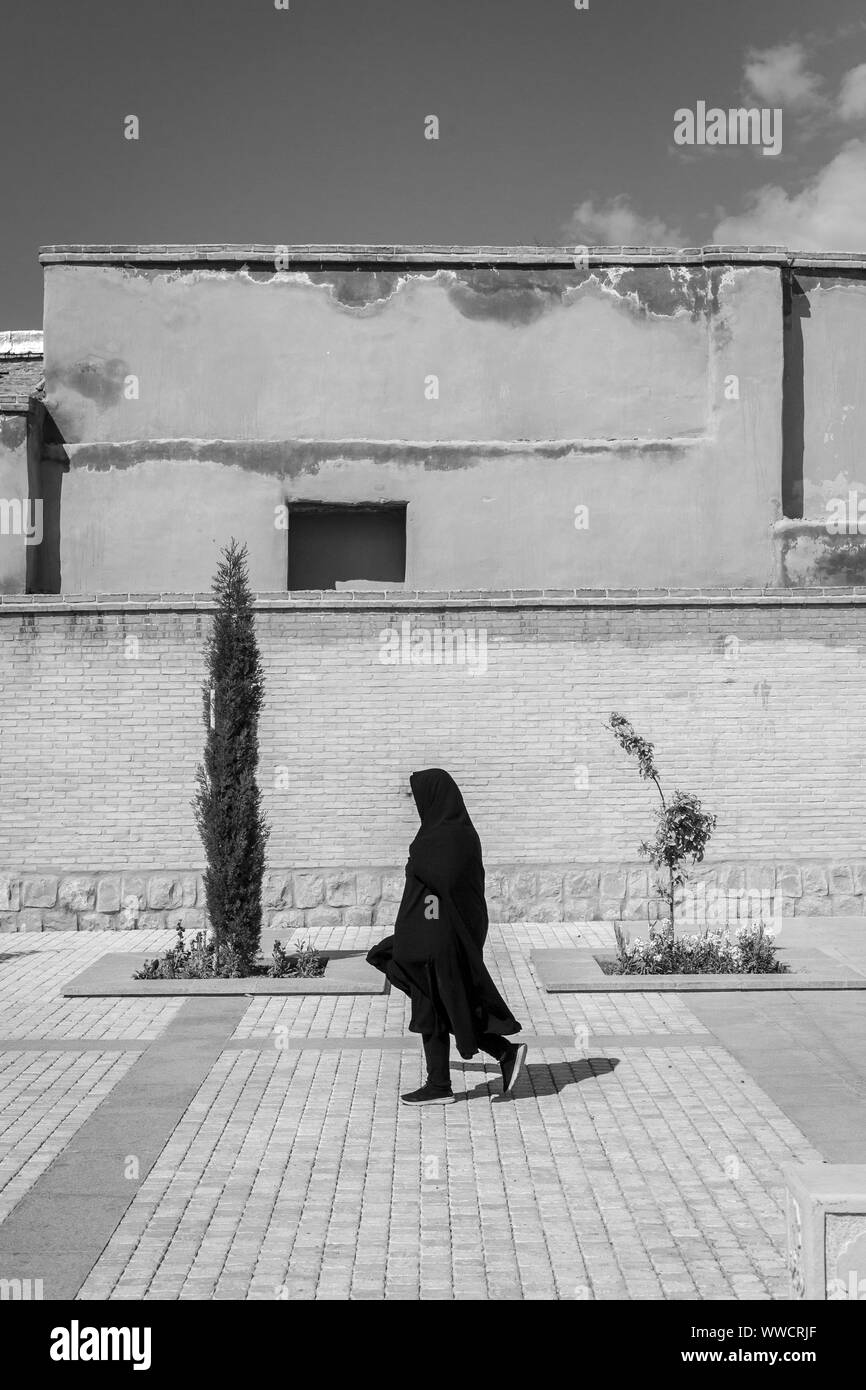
227 804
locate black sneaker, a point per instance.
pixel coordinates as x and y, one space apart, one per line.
428 1095
510 1066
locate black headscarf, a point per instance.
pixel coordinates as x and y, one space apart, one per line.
439 800
435 954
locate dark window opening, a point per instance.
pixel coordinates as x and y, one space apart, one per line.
331 543
795 308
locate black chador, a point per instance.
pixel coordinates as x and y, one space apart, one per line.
435 954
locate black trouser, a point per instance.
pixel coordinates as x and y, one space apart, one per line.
437 1049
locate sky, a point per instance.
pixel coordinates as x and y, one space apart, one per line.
310 123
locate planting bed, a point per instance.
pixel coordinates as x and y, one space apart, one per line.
578 971
346 972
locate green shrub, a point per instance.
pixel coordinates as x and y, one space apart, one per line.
303 961
195 961
198 961
750 951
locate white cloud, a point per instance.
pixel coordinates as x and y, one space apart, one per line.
779 77
828 214
852 95
617 223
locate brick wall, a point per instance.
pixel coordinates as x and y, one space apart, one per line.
754 703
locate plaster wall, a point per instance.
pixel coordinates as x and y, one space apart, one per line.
608 390
834 380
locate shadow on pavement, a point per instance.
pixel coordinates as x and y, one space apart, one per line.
539 1078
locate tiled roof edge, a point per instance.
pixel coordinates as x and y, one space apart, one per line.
268 253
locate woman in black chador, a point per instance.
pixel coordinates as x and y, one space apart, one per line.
435 954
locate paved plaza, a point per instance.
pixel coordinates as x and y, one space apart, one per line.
255 1148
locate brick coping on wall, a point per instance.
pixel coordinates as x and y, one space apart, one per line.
713 597
265 253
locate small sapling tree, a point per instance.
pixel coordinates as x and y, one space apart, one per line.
682 827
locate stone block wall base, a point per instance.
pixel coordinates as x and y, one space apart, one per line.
826 1226
309 899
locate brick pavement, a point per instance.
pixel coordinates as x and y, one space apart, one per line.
647 1167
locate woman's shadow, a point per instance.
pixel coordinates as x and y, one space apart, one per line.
538 1078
